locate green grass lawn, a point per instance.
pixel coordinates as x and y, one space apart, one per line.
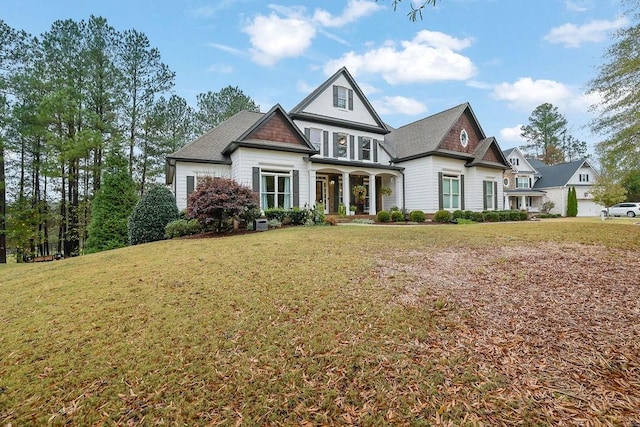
423 325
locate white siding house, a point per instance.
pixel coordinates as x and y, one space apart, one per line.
333 140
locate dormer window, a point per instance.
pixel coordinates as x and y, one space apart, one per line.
514 161
584 177
464 138
342 97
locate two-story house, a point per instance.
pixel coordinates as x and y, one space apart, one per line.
333 140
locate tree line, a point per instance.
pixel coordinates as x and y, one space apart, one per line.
67 97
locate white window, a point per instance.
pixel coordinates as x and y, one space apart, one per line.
515 161
464 138
342 97
488 194
341 146
315 136
366 148
522 182
584 177
450 192
276 190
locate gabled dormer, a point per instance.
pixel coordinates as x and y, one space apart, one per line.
340 102
523 175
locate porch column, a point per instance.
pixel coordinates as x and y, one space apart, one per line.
312 188
523 203
398 192
372 195
346 191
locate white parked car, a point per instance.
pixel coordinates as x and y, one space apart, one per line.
629 209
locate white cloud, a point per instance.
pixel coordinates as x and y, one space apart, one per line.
368 89
274 38
431 56
512 134
571 35
304 87
526 94
227 48
579 5
354 10
399 105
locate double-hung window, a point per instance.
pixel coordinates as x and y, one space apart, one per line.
276 190
366 149
342 97
450 192
584 177
341 146
522 182
489 197
315 137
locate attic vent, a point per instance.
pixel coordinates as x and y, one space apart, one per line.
464 138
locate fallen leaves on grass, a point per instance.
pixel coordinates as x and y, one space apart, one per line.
559 322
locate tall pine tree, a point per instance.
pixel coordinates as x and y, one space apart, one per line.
112 205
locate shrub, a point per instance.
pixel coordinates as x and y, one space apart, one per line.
217 201
417 216
112 206
491 216
514 215
342 209
276 213
298 216
394 208
383 216
442 216
397 216
317 214
249 216
150 216
182 227
477 216
457 214
523 215
275 223
331 220
503 215
468 214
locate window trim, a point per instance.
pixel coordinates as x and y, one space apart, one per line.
524 179
464 138
339 98
447 198
287 193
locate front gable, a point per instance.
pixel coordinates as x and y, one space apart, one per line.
464 136
274 131
340 101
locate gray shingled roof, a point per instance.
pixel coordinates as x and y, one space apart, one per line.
507 152
424 135
535 163
556 175
209 146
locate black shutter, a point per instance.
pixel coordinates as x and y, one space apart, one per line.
350 99
440 191
374 148
352 146
461 192
335 96
359 148
484 195
296 188
325 143
256 180
495 195
335 145
190 185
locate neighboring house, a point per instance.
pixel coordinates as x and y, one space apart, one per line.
333 140
530 183
518 183
556 180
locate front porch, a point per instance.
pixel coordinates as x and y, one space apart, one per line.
524 200
334 190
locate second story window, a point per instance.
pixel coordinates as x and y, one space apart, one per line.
584 177
514 161
341 146
523 182
366 149
342 98
315 137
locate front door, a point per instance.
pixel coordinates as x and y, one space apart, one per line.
321 193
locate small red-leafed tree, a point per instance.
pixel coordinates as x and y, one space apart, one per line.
217 201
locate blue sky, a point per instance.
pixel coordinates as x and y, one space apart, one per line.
505 57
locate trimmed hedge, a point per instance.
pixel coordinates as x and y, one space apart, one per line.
383 216
397 216
442 216
182 227
457 214
417 216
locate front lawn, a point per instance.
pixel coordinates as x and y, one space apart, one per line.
533 323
